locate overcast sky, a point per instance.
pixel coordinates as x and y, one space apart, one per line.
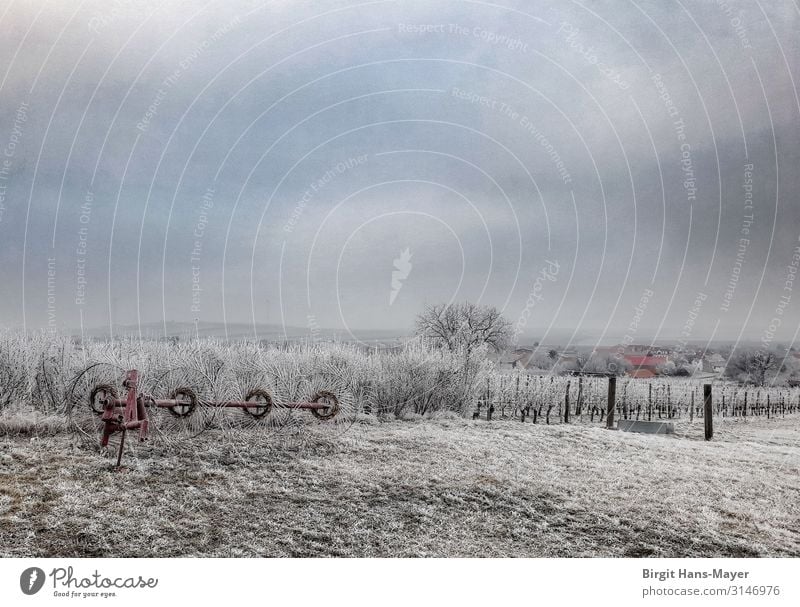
583 166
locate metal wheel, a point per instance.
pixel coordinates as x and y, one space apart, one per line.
326 398
100 393
78 391
264 400
187 399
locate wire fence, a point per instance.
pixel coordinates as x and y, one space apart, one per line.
559 399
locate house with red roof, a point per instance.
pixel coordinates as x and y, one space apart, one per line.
643 366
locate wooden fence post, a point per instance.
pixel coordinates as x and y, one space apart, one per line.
502 392
489 403
669 402
708 419
625 400
612 395
579 410
659 403
566 405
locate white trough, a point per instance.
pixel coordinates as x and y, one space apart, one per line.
658 427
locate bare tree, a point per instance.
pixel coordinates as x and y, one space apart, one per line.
464 325
759 367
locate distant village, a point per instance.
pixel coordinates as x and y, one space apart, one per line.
634 361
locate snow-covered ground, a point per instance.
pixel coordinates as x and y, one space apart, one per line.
431 487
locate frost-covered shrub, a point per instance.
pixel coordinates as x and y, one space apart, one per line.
51 373
424 380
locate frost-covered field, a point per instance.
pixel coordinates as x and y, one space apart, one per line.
403 470
432 487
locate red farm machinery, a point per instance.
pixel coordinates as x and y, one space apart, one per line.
119 415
